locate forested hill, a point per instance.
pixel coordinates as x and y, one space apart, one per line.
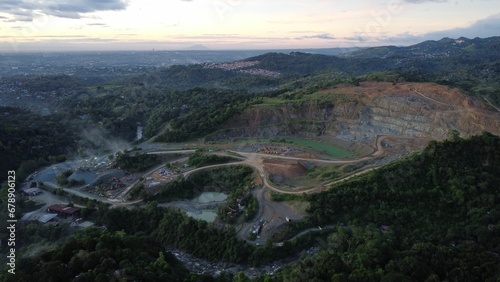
183 102
430 217
485 48
28 141
434 216
470 64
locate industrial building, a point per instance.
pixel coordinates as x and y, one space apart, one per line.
63 211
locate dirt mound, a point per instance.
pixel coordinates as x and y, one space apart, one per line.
284 168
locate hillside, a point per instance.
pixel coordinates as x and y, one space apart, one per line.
361 113
484 49
431 217
470 64
379 165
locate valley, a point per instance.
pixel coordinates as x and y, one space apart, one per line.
387 122
261 165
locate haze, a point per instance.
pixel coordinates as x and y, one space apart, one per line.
68 25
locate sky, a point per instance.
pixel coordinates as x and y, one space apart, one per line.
77 25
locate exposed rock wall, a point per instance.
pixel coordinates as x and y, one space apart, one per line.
412 110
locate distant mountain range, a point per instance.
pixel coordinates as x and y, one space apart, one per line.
461 62
197 47
446 47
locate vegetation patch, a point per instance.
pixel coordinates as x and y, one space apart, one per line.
224 179
325 172
96 255
62 179
200 158
430 216
136 162
282 197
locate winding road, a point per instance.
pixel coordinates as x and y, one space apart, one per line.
490 103
273 213
254 160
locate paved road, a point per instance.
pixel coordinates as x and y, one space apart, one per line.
272 213
254 160
164 152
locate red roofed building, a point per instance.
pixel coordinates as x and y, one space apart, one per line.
62 210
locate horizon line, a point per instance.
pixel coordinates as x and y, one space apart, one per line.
207 49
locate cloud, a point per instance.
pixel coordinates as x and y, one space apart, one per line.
26 10
487 27
326 36
220 34
425 1
60 36
301 31
18 27
358 37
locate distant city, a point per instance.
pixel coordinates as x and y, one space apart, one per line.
120 62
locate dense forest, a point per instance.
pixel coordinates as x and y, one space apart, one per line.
135 162
429 217
28 141
179 103
96 255
130 244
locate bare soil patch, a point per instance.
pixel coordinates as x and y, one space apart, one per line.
284 168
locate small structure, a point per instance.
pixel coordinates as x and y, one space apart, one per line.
47 217
32 191
29 216
85 224
63 211
257 229
154 184
384 228
79 223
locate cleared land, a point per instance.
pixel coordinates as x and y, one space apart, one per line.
330 150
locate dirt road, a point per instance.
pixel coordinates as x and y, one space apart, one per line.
490 103
274 214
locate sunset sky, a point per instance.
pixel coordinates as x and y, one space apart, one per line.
73 25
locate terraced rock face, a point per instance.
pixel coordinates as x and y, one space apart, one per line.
406 109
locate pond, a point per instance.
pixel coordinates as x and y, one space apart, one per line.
209 197
207 214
